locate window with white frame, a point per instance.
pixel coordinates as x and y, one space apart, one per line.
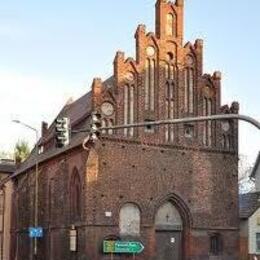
258 242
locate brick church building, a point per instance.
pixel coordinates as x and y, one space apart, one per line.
173 187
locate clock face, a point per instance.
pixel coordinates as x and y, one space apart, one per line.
225 126
129 76
107 109
150 51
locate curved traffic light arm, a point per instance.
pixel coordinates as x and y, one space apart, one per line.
224 117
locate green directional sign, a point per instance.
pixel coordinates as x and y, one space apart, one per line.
123 247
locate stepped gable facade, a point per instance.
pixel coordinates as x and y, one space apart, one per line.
173 187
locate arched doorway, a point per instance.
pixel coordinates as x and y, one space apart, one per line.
169 232
129 220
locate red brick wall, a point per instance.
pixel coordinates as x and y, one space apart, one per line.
243 248
145 170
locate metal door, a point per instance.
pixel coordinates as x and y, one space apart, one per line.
168 245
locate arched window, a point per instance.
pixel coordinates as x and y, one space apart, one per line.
75 195
189 90
168 215
129 103
170 25
129 220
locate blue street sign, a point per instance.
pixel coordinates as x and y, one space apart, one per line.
35 232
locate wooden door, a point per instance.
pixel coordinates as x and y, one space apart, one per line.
168 245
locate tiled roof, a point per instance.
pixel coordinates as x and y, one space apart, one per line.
30 162
76 112
248 204
7 167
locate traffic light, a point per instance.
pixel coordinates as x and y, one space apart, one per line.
62 132
95 127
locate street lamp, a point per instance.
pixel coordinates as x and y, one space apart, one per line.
36 177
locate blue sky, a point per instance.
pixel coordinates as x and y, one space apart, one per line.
51 50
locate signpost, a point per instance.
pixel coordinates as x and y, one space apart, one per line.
35 232
122 247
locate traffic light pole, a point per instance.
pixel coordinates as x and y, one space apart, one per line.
35 249
224 117
62 134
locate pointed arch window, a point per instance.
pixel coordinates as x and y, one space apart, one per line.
75 195
129 104
170 25
189 90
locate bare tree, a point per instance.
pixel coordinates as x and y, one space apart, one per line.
246 184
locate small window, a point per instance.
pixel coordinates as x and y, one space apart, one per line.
215 244
150 128
258 242
40 149
189 131
170 56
